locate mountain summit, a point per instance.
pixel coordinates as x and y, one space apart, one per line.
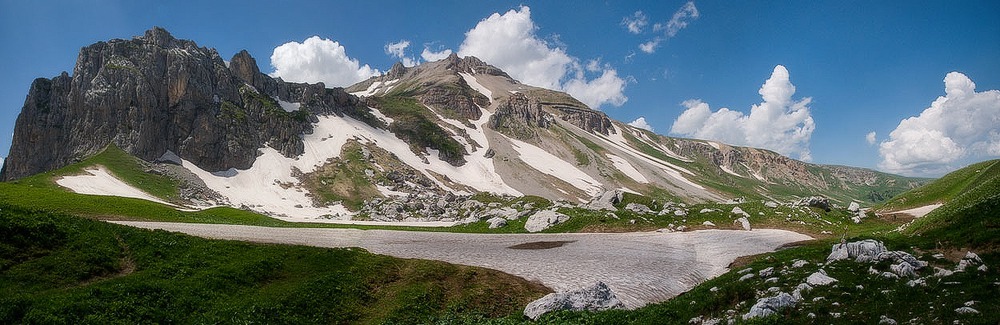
457 126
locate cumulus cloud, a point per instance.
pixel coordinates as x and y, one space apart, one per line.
778 123
641 123
398 50
680 20
509 41
318 60
870 137
635 22
431 56
961 126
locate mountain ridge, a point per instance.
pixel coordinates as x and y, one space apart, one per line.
458 125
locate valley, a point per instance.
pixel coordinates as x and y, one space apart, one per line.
448 192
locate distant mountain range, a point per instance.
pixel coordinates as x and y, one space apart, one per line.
457 126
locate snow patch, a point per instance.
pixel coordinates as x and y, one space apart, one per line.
618 140
99 181
372 89
288 106
471 80
730 171
548 163
627 168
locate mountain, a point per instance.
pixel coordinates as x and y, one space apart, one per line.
395 143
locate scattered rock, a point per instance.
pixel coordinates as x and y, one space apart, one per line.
497 222
886 320
593 298
638 208
742 221
770 305
799 263
771 204
738 211
816 202
966 311
680 213
819 278
861 251
708 224
854 207
766 272
746 276
544 219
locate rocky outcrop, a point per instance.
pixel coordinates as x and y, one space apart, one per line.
519 117
594 298
585 118
155 93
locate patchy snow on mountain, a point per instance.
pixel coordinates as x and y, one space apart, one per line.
372 89
548 163
627 168
471 80
617 140
288 106
729 171
98 181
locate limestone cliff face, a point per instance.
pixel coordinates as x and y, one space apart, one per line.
156 93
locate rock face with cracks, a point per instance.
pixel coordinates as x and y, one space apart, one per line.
593 298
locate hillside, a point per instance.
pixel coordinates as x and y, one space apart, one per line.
304 152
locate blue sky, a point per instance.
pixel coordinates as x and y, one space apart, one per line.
856 66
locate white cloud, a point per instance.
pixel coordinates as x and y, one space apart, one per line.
431 56
398 50
778 123
641 123
961 126
509 42
680 20
318 60
870 137
635 23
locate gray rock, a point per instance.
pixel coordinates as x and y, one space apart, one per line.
819 278
738 211
743 222
854 207
544 219
861 251
606 200
886 320
594 298
771 204
966 311
708 224
638 208
169 157
770 305
497 222
816 202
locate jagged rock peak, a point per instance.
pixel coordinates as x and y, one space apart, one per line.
473 65
397 71
244 66
160 36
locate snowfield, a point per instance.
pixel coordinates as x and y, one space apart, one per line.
627 169
99 181
641 268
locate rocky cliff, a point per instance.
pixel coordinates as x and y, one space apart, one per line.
155 93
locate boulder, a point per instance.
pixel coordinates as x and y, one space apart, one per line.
497 222
742 221
738 211
861 251
854 207
770 305
169 157
771 204
966 311
594 298
606 200
544 219
638 208
819 278
816 202
708 224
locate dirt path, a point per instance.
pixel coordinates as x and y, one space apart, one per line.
641 268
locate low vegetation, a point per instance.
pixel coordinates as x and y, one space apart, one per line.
412 123
57 268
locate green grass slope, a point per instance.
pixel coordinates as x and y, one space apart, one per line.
971 216
61 269
945 188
